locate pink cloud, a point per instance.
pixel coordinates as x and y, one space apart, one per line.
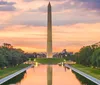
71 37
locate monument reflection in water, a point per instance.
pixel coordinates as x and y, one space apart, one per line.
47 75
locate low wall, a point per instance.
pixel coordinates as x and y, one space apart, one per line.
3 80
96 81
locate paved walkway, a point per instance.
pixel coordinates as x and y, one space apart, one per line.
97 81
3 80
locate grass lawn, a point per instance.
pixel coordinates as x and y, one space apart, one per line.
91 71
7 71
49 60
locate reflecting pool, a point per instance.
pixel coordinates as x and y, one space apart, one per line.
49 75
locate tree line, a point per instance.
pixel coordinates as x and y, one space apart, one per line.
10 56
89 55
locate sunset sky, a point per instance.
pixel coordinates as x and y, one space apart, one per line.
23 23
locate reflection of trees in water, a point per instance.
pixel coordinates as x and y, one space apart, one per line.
83 80
15 79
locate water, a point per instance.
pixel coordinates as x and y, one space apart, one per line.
47 75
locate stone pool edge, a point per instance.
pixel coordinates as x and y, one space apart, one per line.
96 81
3 80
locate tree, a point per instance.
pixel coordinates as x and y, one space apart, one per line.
2 61
11 56
95 60
76 55
85 54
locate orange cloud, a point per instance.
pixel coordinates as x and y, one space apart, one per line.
33 38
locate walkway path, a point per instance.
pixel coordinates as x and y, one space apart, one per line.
97 81
3 80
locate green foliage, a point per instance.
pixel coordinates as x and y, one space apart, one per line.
89 56
2 61
96 58
70 57
85 54
11 56
76 55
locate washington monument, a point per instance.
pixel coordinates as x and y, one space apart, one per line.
49 32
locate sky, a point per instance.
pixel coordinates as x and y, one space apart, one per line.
23 23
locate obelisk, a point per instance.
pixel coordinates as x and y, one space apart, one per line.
49 32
